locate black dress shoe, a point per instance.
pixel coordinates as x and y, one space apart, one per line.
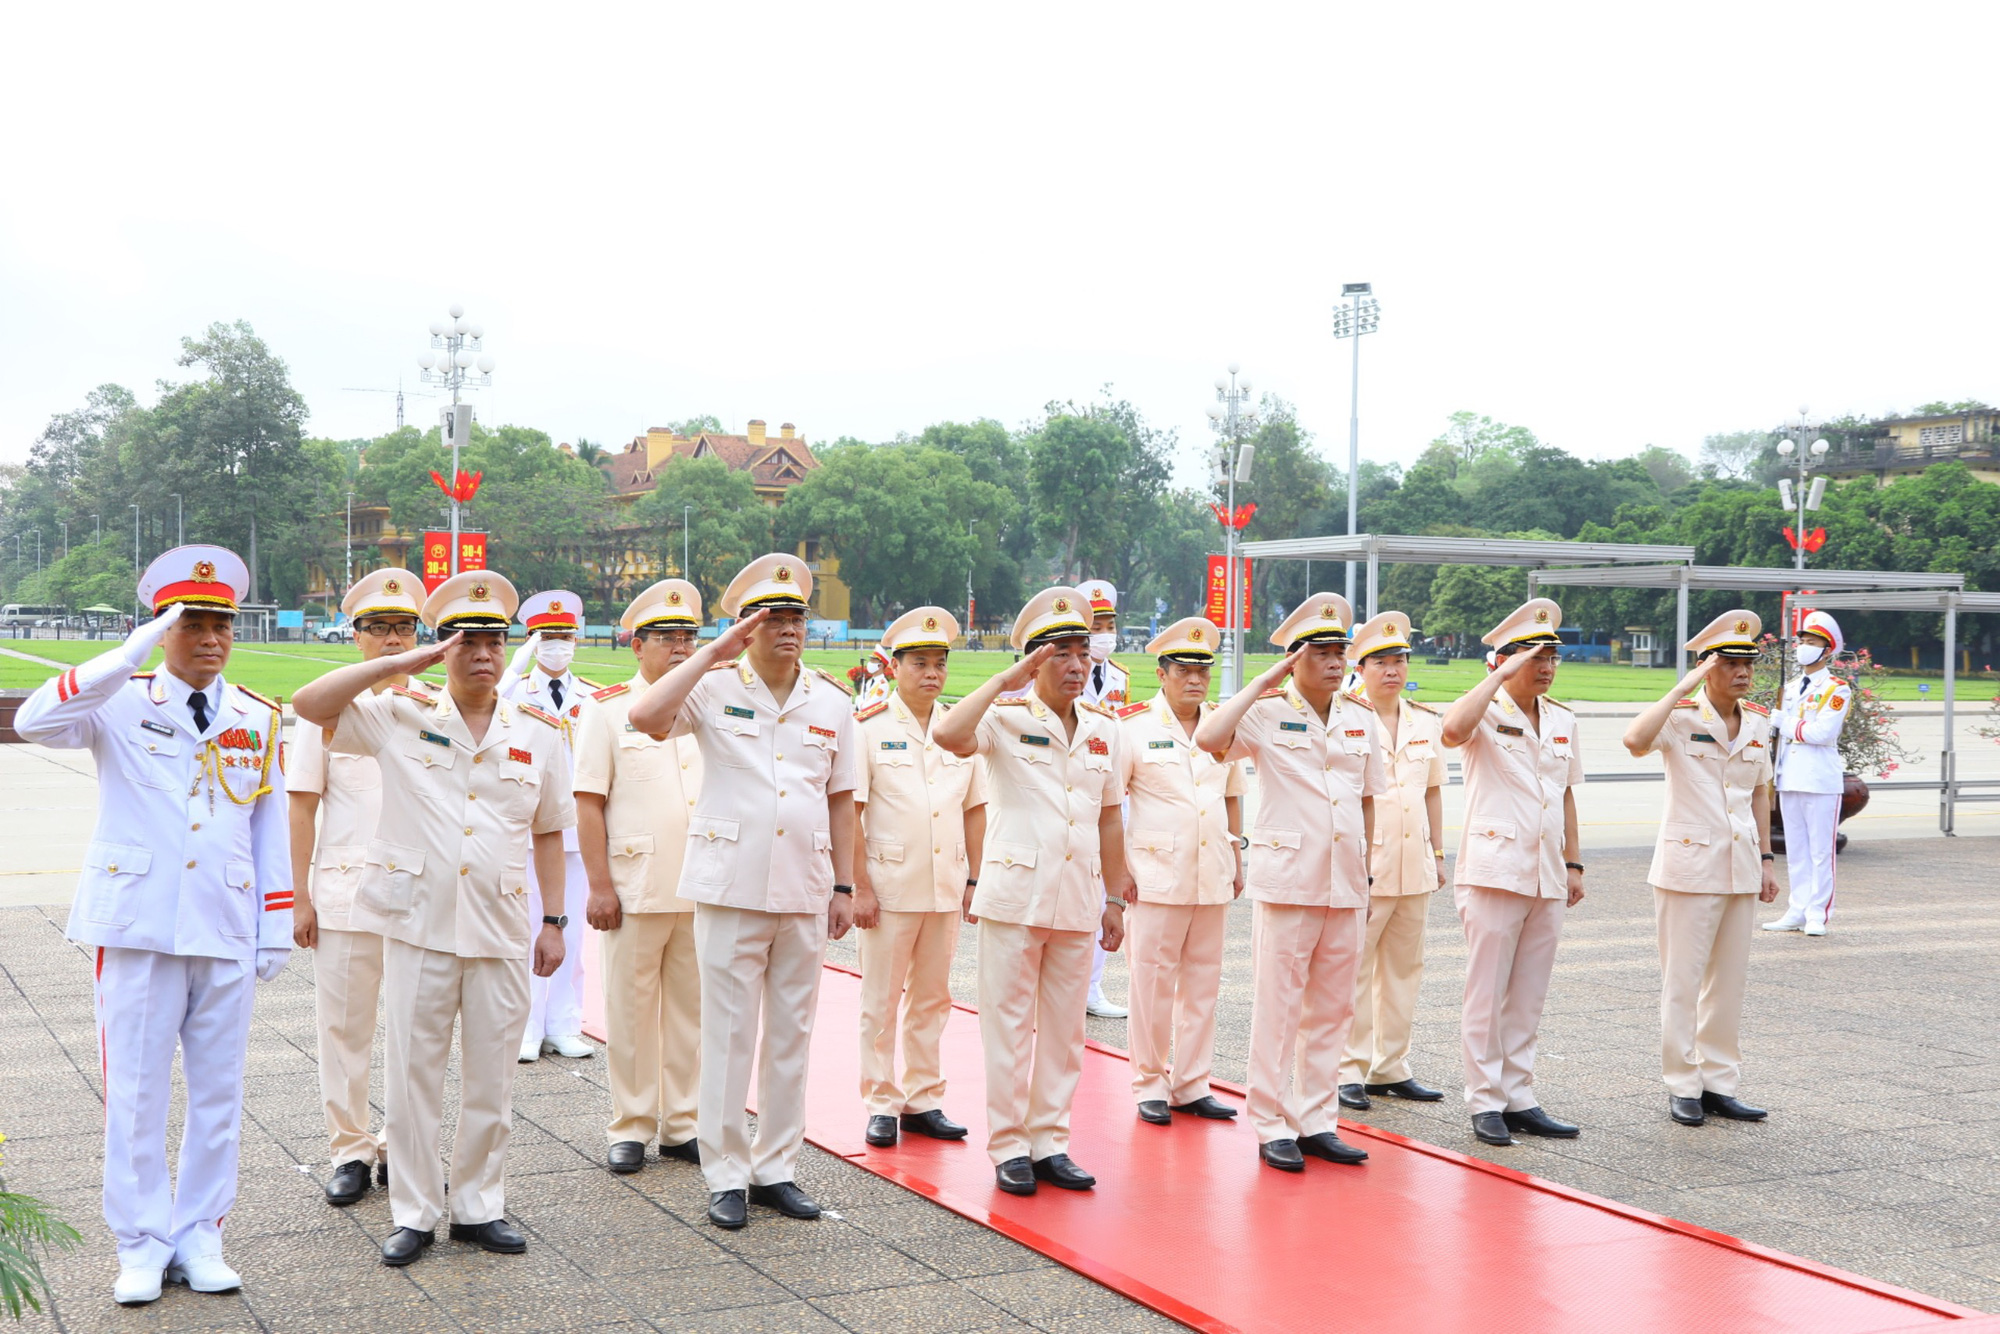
1058 1170
1354 1098
1490 1128
1331 1147
1687 1111
726 1208
499 1236
881 1131
406 1244
348 1183
626 1157
786 1198
382 1173
1207 1108
1154 1112
689 1152
933 1123
1282 1154
1016 1176
1722 1104
1535 1121
1407 1088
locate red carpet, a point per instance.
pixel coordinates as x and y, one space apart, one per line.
1185 1220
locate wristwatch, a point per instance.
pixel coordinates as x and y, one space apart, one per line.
1573 866
557 922
1242 841
843 889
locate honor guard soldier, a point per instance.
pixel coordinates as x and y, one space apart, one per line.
1713 859
335 803
1319 771
472 785
186 892
1518 869
1810 775
540 675
635 794
1109 685
1055 840
1406 859
1186 822
770 867
912 794
875 684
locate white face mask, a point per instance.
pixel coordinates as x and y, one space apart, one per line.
554 655
1101 646
1810 654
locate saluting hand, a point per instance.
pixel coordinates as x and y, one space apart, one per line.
737 637
1696 675
1515 663
1286 665
1022 673
421 659
139 645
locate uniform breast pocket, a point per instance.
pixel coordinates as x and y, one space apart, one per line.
821 745
738 741
337 877
1292 740
520 790
353 773
1275 857
1153 858
111 875
427 757
1007 879
1488 856
640 757
389 880
239 912
1686 849
631 862
881 851
711 851
155 759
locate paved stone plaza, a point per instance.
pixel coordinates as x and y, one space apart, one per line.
1873 1048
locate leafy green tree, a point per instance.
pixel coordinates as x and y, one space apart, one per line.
1469 600
1669 469
704 424
94 574
1007 548
728 527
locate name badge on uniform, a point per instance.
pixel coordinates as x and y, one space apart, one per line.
434 738
1293 727
730 710
152 726
826 732
523 756
1098 746
895 745
1159 745
1510 731
1703 736
1031 739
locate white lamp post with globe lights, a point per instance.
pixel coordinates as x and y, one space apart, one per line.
463 365
1797 498
1231 417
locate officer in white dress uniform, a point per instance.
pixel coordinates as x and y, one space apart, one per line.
1111 686
540 675
187 894
472 786
1810 775
336 800
770 868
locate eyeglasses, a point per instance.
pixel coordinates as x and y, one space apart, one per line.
382 629
676 637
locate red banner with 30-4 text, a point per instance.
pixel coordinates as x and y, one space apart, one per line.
1217 609
437 556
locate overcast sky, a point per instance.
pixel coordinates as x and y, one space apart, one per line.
1614 224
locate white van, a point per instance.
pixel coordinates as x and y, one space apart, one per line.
22 613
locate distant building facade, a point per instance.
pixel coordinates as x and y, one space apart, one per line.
1897 445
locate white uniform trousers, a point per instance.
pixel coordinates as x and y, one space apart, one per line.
1033 983
147 1004
555 1003
1812 820
347 981
425 991
906 964
1302 1003
652 1018
1385 990
1510 950
1176 963
754 962
1704 961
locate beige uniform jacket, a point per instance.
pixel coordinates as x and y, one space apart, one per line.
1177 837
760 838
1708 831
1042 865
649 788
349 788
447 869
917 794
1515 779
1404 859
1308 845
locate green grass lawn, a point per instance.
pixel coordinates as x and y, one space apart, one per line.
280 669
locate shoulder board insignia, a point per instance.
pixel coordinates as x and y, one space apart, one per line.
880 706
722 666
1551 699
1425 708
1132 710
1357 696
1097 708
1754 707
589 684
834 681
1276 693
407 693
1689 704
612 692
143 676
534 712
267 703
1021 700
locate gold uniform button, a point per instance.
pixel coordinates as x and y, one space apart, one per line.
781 755
392 866
195 825
190 864
934 814
151 746
468 829
781 792
472 796
1069 857
479 759
113 868
781 833
465 870
628 850
1204 843
937 852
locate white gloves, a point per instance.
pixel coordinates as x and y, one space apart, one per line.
139 645
524 656
270 963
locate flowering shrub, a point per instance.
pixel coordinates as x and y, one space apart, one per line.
1869 742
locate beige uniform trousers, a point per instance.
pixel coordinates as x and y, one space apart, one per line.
1033 982
1302 1002
347 981
1385 990
905 961
1510 949
652 1018
755 964
1176 962
426 990
1704 958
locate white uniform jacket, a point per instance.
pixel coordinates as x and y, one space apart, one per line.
1179 842
578 699
916 795
350 792
192 851
1708 829
1516 778
649 785
1108 684
1308 848
1042 865
1815 710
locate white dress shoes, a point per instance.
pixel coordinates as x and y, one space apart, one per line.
203 1273
1789 922
531 1050
1815 928
568 1044
1099 1006
136 1286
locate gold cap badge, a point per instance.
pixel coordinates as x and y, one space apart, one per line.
1743 627
1062 604
204 571
392 586
783 574
930 622
478 593
1329 612
1541 616
555 604
1195 635
674 597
